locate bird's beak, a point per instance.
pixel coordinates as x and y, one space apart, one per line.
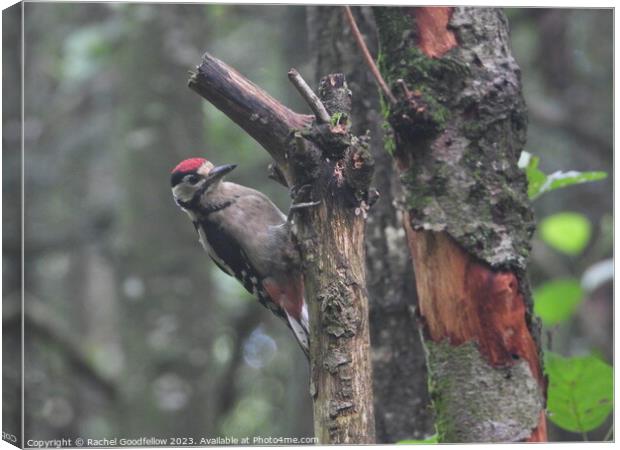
220 171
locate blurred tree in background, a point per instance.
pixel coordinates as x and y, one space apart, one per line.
130 330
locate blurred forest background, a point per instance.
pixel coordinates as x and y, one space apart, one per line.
130 329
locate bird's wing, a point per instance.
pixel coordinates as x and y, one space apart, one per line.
231 258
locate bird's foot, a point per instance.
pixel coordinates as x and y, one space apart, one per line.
299 206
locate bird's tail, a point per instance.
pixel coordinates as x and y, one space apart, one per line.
301 329
289 295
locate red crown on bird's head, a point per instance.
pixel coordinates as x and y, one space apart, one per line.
189 165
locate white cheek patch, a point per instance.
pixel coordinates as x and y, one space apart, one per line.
184 192
181 193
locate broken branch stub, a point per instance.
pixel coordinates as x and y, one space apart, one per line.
337 166
327 155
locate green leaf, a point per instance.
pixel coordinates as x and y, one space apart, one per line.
335 119
563 179
567 232
555 301
434 439
535 177
538 182
580 393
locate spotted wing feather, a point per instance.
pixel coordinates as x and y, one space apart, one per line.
232 260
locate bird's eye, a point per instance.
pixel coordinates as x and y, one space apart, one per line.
193 179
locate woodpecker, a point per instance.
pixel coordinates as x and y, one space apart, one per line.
247 237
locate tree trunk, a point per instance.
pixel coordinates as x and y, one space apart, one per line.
399 368
331 239
460 124
329 170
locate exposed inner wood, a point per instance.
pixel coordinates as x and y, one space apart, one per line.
464 300
432 24
461 298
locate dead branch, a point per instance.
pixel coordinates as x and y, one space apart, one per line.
309 96
250 107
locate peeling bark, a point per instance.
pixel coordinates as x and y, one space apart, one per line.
435 37
402 404
338 168
460 125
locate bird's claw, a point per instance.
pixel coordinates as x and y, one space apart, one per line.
298 206
304 205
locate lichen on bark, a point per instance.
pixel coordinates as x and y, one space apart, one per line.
466 109
477 402
459 126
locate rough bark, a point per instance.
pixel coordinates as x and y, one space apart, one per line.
460 125
399 369
331 239
329 170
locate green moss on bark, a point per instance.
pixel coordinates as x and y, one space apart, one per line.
476 402
462 126
434 80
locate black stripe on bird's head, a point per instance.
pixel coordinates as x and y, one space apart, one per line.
192 177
